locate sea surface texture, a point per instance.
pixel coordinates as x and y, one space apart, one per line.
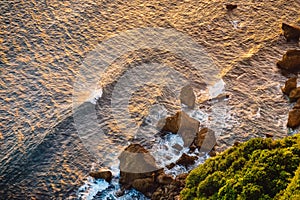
47 78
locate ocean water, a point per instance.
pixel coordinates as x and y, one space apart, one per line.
52 63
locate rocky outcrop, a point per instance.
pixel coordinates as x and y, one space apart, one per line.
294 118
102 174
290 61
205 140
138 168
145 185
183 125
290 85
187 96
170 191
295 94
290 32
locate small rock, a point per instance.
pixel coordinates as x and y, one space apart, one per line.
187 96
290 85
236 143
102 174
192 148
186 160
231 6
294 118
205 140
177 146
291 33
182 124
171 165
290 61
269 135
164 179
212 153
295 94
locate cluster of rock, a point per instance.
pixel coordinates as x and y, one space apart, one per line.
293 92
138 167
291 63
138 170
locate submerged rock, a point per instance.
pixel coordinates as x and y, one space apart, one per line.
294 118
290 61
230 6
182 124
290 32
290 85
102 174
295 94
205 140
187 96
136 163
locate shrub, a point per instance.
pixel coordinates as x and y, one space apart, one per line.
257 169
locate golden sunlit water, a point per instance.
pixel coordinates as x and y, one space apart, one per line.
45 43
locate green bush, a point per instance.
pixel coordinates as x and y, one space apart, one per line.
257 169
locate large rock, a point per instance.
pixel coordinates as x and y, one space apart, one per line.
136 163
205 140
102 174
294 118
187 96
290 32
182 124
290 61
290 85
295 94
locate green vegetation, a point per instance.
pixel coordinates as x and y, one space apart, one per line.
257 169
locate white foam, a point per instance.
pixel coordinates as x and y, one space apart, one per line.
217 89
95 95
91 188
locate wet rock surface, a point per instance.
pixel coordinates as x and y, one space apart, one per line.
153 184
205 140
183 125
290 61
291 33
136 163
101 174
295 94
294 118
186 160
290 85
